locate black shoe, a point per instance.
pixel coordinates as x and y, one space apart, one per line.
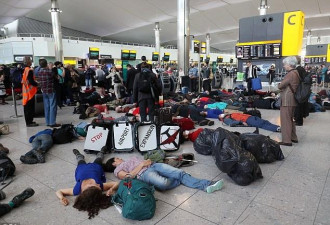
32 125
55 125
285 144
294 141
203 122
299 124
19 199
210 123
28 160
39 155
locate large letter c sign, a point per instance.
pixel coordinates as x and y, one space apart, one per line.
289 20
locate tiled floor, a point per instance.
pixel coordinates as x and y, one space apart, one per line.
293 191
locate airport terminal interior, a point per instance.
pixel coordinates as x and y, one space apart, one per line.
215 112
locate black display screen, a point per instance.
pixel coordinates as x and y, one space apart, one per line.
258 51
166 58
155 57
132 56
201 59
219 60
124 55
196 47
94 54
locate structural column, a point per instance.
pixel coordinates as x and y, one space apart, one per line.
57 31
157 40
208 39
183 31
263 7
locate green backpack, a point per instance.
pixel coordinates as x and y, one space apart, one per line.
136 199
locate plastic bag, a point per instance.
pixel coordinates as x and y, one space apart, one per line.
264 149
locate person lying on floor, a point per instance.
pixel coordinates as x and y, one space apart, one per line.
15 202
41 143
235 119
90 184
161 176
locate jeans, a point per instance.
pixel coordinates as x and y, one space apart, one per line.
43 142
255 121
165 177
88 83
50 107
144 104
195 113
117 90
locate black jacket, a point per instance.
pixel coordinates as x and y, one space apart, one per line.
130 78
138 96
254 71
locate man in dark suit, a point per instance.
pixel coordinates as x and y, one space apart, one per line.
250 73
131 71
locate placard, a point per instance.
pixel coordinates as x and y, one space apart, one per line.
96 138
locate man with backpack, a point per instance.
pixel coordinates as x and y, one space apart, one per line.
146 91
16 76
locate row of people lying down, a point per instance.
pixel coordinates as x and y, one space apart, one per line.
91 181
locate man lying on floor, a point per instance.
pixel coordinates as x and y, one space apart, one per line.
162 176
235 119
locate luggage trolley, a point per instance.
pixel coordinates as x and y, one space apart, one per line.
217 80
166 83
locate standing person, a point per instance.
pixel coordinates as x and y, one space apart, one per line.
271 74
193 75
29 89
181 75
89 73
302 109
131 72
60 92
324 70
46 81
327 77
206 78
250 73
16 76
146 90
116 81
144 60
100 77
288 86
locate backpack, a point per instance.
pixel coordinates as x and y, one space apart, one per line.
303 90
7 167
136 199
116 79
144 82
254 112
64 134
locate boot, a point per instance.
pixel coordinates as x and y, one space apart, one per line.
39 155
28 160
19 199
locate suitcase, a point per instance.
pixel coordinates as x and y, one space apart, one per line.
169 137
122 136
163 115
98 135
256 84
263 103
145 136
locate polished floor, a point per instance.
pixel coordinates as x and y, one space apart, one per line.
293 191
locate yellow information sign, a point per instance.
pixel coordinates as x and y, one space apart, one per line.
293 30
328 53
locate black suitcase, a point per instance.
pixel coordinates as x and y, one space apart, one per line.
163 115
263 103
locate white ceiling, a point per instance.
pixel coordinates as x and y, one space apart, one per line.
133 20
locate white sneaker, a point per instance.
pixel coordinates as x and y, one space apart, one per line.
214 187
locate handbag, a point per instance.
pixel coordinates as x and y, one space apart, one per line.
4 129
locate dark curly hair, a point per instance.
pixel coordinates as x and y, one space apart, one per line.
92 200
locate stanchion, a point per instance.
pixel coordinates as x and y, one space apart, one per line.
15 104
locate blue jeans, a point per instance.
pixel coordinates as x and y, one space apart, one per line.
317 107
255 121
88 83
50 107
165 177
43 142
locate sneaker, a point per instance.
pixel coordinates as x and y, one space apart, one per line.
104 149
32 125
76 152
39 155
19 199
210 123
28 160
278 129
214 186
55 125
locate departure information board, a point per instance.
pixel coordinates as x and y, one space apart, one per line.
258 51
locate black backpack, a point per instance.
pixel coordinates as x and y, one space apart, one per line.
303 90
7 167
64 134
254 112
145 82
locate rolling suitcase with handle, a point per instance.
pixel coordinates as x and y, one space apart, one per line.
145 136
169 137
122 136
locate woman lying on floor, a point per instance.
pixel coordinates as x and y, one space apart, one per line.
90 185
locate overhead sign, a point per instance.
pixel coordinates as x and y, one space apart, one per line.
105 56
132 55
124 54
166 57
20 58
196 46
94 53
155 56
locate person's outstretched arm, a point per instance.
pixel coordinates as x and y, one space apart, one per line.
62 193
110 187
